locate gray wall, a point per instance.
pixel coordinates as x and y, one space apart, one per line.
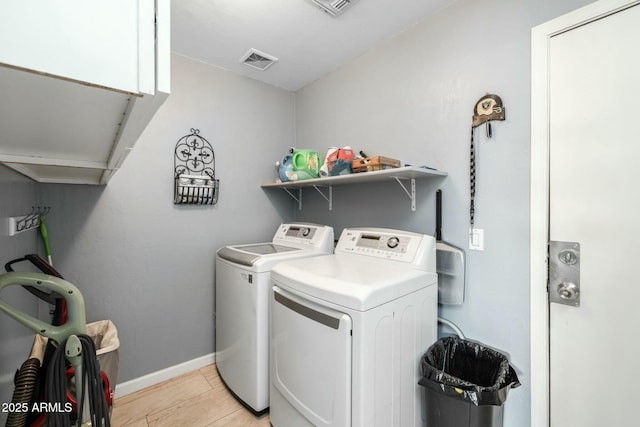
148 264
412 98
17 195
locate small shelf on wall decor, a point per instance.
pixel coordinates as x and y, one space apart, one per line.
325 185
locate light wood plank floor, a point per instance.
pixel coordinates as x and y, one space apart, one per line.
195 399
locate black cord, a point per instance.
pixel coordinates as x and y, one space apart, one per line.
472 180
56 387
98 408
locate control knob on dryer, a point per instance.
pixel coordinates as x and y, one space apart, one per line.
393 242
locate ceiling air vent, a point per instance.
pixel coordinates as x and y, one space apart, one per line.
333 7
256 59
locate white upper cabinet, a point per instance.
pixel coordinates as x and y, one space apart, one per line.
79 82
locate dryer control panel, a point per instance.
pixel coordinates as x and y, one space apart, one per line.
395 245
381 242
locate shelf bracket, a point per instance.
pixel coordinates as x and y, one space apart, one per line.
412 193
328 198
297 199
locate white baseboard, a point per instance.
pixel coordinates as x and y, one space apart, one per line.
157 377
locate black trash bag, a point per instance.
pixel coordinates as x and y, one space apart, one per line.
468 371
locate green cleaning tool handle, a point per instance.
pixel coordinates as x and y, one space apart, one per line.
76 321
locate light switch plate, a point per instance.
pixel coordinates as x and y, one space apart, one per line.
476 239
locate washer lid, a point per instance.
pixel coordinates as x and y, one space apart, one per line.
352 281
250 254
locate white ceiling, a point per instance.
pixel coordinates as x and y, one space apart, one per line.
307 42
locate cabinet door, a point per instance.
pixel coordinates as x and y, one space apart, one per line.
103 43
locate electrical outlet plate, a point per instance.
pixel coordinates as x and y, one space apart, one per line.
476 239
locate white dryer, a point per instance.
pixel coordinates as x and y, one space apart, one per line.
348 331
242 304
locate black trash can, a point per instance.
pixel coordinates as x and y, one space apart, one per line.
465 384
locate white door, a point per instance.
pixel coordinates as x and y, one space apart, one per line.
594 200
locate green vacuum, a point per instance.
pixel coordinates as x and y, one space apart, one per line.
71 347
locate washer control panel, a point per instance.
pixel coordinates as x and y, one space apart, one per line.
300 231
384 243
304 234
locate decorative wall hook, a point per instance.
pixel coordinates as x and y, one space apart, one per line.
195 171
18 224
488 108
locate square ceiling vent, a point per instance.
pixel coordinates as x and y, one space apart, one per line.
259 60
333 7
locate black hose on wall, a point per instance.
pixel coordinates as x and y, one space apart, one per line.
25 383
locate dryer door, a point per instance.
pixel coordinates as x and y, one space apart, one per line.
311 363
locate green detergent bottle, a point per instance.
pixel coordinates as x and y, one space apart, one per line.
306 163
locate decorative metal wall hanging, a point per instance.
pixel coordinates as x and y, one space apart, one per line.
195 171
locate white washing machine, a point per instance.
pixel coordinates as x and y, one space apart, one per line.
242 304
348 331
